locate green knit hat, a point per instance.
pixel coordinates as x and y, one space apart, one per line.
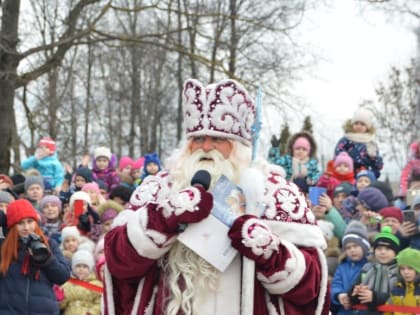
409 257
387 238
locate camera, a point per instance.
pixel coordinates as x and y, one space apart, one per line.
40 252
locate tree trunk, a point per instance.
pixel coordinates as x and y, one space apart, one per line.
233 45
8 64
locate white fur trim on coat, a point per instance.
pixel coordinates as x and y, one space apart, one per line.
285 280
300 234
148 243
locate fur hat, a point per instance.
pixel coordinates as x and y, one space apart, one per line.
409 257
33 180
84 172
372 198
363 115
18 210
50 199
219 110
82 256
70 231
368 174
109 210
80 195
124 162
47 142
344 158
344 187
102 151
356 232
387 238
392 212
5 197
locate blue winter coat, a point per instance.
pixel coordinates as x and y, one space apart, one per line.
24 295
344 278
49 167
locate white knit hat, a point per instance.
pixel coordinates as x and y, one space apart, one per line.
70 231
82 256
80 195
363 115
102 151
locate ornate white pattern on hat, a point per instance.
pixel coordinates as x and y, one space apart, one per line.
223 110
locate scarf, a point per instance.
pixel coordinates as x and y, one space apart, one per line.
360 137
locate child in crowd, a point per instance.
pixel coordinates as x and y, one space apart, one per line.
108 211
125 167
338 171
51 210
34 190
412 167
392 217
152 165
82 176
369 202
136 170
46 162
82 292
375 280
359 142
70 241
300 161
104 167
96 198
364 178
406 292
356 248
120 194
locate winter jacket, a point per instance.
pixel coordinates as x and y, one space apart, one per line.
380 279
49 167
286 161
358 153
79 300
407 294
24 294
344 278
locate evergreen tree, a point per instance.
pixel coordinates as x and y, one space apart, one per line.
307 125
284 137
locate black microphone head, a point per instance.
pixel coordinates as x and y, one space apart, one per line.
201 177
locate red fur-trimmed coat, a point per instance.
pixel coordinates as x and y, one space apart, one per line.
291 271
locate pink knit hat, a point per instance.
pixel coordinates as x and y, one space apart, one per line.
124 162
344 158
302 142
91 186
138 164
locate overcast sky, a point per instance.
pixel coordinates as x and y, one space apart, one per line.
360 52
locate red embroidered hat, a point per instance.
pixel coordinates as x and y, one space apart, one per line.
220 110
18 210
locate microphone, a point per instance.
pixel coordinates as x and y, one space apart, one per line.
201 178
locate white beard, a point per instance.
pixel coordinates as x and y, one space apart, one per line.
212 161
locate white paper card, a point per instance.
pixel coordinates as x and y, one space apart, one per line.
209 239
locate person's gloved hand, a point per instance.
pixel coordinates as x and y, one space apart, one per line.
190 205
84 223
253 238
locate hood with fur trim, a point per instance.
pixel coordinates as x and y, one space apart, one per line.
307 135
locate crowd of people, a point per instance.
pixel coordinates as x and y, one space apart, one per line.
114 235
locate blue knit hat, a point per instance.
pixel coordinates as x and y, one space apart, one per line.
356 232
150 158
368 174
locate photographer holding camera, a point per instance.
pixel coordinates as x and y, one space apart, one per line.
30 264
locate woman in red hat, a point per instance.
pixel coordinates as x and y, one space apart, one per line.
30 264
